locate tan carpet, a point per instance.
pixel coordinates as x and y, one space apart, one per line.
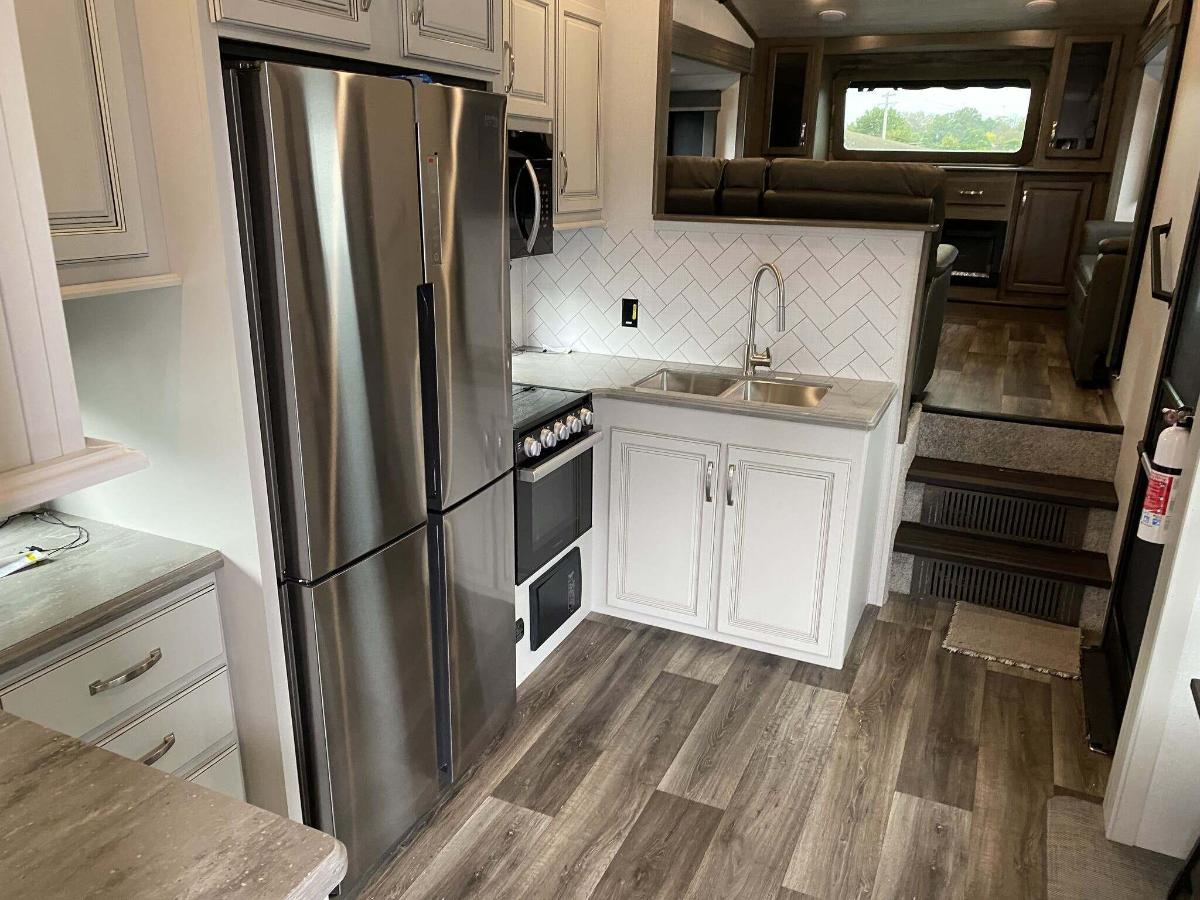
1014 640
1081 864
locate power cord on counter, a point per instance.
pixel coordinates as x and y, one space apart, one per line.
50 517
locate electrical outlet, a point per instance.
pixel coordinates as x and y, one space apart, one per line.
629 312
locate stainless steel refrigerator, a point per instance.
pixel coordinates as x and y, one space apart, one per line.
373 226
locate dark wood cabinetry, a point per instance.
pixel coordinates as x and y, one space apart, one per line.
1046 229
789 82
1079 96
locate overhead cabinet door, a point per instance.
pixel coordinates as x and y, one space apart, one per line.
336 21
530 75
580 53
460 32
84 73
661 525
781 546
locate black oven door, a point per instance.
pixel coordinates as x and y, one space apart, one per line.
554 505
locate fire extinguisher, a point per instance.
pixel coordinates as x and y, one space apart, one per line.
1165 469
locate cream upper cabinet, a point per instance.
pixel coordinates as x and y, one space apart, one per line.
580 194
529 33
784 525
662 522
462 32
87 98
337 21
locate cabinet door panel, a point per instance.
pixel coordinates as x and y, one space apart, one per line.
79 56
580 52
461 32
531 31
1050 217
336 21
781 547
661 525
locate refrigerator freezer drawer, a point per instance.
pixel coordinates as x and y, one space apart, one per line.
364 660
479 561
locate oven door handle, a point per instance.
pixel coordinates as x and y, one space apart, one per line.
537 473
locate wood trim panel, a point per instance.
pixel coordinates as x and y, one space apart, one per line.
666 12
741 19
696 44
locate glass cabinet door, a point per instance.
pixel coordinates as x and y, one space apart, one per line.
787 103
1080 96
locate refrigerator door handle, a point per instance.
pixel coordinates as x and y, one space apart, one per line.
433 209
537 207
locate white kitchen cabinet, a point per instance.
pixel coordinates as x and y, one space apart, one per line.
335 21
785 519
580 194
463 32
529 33
87 97
662 525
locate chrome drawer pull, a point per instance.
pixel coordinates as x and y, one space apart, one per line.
965 193
163 748
134 671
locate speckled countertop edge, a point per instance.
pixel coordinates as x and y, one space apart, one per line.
62 599
849 404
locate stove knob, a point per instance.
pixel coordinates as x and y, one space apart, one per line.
574 424
561 431
585 416
532 447
547 438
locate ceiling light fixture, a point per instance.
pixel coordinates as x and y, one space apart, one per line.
1041 6
832 15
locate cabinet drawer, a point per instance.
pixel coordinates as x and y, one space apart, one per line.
223 773
979 190
69 695
179 730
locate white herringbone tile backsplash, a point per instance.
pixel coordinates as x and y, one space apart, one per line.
850 296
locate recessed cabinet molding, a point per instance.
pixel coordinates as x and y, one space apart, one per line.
336 21
529 68
464 32
580 174
662 523
750 531
87 96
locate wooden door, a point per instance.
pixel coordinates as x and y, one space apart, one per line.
529 81
336 21
1047 230
461 32
580 155
662 515
781 547
1079 96
87 99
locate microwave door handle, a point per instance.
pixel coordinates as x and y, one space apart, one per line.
531 241
516 192
556 462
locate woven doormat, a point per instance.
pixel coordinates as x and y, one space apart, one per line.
1081 864
1014 640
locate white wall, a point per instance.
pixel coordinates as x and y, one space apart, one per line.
710 16
727 122
1133 390
1123 205
1153 799
168 371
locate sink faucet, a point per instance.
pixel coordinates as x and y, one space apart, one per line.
754 359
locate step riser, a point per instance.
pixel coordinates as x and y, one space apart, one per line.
1097 533
1034 448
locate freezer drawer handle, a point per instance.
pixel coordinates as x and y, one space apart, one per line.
537 473
134 671
163 748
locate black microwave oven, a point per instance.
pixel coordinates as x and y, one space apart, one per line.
530 197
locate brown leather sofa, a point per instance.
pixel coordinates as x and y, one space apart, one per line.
692 185
1099 273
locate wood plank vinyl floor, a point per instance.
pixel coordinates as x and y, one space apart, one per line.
1011 362
646 764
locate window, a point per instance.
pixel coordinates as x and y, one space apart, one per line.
967 121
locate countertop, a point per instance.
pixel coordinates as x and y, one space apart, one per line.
77 590
850 403
77 821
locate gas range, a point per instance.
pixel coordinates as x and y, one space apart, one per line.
546 421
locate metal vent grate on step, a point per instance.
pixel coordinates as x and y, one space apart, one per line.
1029 595
1002 516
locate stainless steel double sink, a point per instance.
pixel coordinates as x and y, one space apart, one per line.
776 391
